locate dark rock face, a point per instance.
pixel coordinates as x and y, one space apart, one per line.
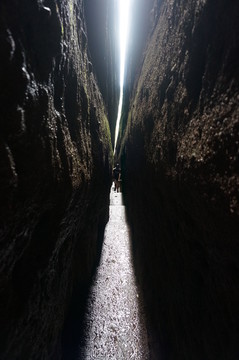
181 162
55 166
102 30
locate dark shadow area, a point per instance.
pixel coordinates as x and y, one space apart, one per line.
185 265
73 335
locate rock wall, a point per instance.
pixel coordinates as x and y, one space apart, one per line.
142 19
180 158
55 171
103 36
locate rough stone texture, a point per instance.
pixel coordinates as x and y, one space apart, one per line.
55 171
180 160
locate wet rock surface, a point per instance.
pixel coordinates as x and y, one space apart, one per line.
115 324
180 177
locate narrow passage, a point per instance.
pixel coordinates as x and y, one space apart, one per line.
115 326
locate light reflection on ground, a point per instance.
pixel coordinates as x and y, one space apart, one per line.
115 325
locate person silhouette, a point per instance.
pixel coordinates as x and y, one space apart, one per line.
116 177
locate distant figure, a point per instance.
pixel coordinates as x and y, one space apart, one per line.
116 177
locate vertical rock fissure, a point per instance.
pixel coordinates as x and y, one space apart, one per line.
179 153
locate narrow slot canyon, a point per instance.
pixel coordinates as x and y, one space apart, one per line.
150 272
113 324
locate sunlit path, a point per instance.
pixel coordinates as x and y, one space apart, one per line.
115 325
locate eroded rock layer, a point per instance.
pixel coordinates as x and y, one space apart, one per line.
181 162
55 171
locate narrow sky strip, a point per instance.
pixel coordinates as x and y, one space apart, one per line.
123 11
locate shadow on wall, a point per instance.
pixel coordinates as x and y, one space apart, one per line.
180 167
73 336
186 260
55 155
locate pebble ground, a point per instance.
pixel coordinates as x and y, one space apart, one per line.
115 325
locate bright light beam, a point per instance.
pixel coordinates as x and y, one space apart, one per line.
124 9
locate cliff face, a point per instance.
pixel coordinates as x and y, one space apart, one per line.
55 164
181 161
143 18
102 30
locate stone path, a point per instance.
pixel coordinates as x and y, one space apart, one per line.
115 327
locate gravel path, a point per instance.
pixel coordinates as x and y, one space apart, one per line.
115 327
